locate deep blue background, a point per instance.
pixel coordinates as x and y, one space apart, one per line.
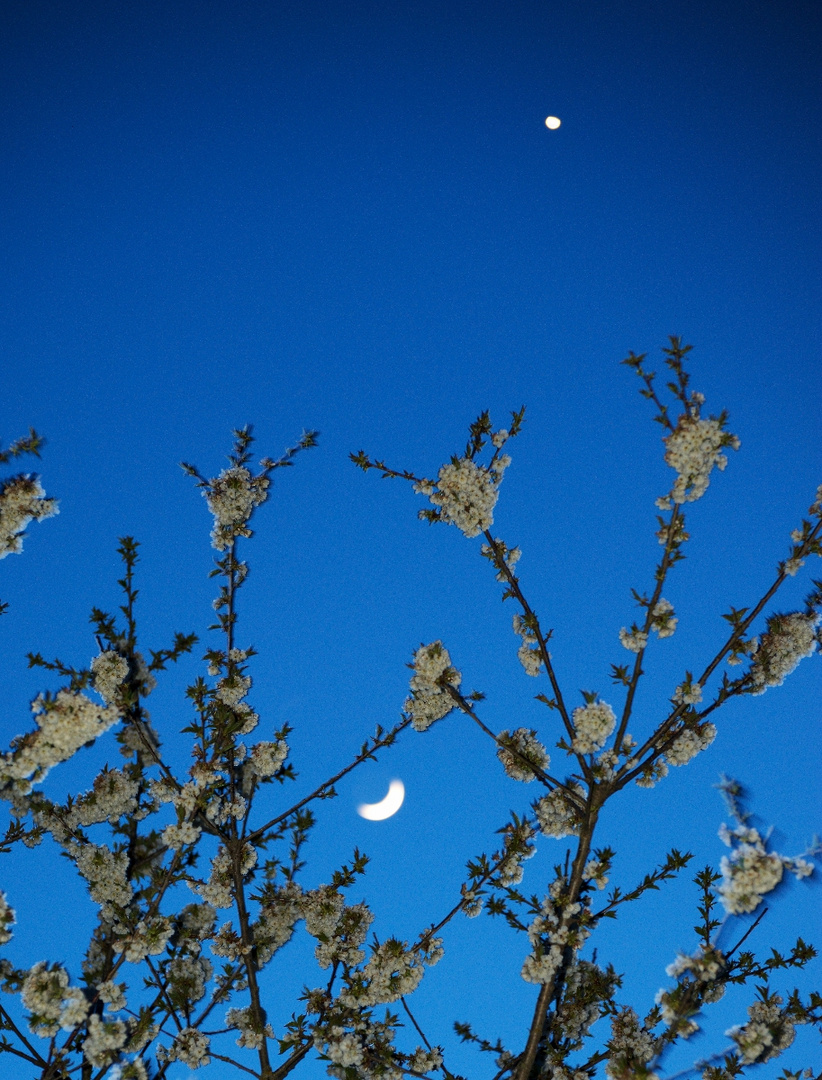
351 217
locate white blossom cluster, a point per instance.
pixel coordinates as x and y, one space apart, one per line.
789 639
429 699
104 1041
466 493
510 556
251 1032
190 1046
688 693
663 620
191 796
231 498
549 934
520 753
705 969
266 758
218 890
149 938
53 1004
518 848
113 796
188 977
178 836
109 670
65 723
529 653
630 1047
690 743
344 1048
22 500
580 1006
105 872
767 1033
595 870
693 449
751 871
634 640
556 813
7 919
652 773
392 972
279 915
593 723
341 929
363 1044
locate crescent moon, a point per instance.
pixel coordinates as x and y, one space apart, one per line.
379 811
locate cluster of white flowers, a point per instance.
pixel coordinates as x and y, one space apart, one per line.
630 1047
549 934
593 723
634 640
266 758
706 966
518 848
7 919
224 806
392 972
105 872
429 699
187 979
520 753
510 556
65 723
194 924
113 994
251 1033
693 449
767 1033
529 653
663 619
343 1047
177 836
231 498
109 670
689 744
789 639
53 1004
229 944
113 795
149 938
192 795
424 1060
128 1070
218 890
278 916
466 493
340 928
190 1046
595 870
232 689
751 870
556 813
688 693
652 773
22 500
104 1041
587 989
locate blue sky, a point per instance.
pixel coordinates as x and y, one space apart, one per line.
351 217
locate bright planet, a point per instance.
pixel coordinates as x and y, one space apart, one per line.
379 811
552 122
